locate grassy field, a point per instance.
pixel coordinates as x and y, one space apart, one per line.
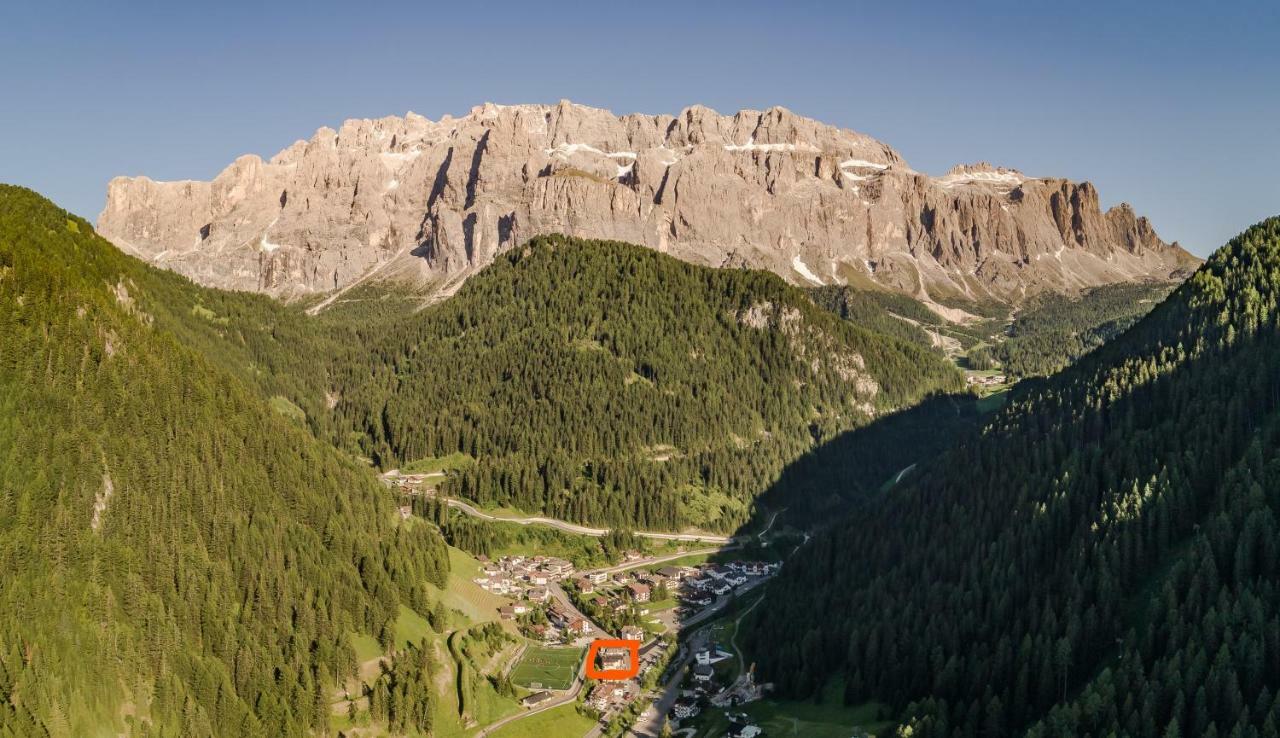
993 401
553 668
691 560
657 606
463 594
781 719
485 705
366 647
456 460
282 405
558 721
410 627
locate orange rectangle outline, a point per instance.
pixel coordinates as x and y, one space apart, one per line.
612 675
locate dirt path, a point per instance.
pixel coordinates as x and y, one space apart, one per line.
733 642
511 663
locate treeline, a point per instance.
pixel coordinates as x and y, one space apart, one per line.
1101 560
180 560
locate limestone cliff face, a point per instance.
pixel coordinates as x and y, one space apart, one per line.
435 201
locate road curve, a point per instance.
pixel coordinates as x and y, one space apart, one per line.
554 702
582 529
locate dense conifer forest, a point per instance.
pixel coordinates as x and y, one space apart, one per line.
1101 560
1055 330
595 381
179 559
605 382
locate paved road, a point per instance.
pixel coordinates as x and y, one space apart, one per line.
557 701
903 473
582 529
652 719
562 597
650 561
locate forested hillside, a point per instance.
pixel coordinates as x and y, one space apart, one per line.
1055 330
179 559
596 381
1102 560
603 382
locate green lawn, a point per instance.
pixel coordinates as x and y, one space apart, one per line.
994 401
784 719
558 721
553 668
366 647
691 560
463 594
410 627
456 460
657 606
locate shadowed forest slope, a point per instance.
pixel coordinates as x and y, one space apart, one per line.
1101 560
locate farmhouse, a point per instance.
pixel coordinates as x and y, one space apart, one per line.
537 698
584 585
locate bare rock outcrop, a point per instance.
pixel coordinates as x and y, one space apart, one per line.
435 201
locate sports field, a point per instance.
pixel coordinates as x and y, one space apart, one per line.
547 668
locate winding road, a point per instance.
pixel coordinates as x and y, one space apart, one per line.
582 529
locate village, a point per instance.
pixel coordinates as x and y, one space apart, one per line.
668 605
642 601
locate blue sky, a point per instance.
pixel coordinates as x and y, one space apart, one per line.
1171 106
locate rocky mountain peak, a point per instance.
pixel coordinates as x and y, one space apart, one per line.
433 201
